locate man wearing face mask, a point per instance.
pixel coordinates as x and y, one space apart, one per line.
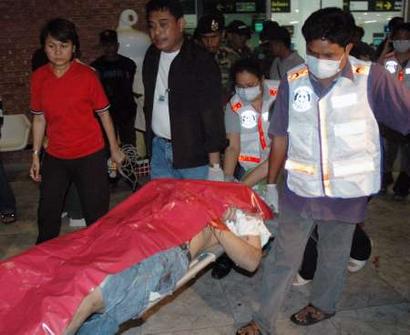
397 63
324 132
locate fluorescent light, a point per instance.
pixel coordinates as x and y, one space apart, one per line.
370 21
293 22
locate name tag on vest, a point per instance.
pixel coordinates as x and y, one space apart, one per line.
345 100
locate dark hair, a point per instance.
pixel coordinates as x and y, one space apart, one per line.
280 34
401 27
333 24
268 26
62 30
173 6
358 32
394 22
251 65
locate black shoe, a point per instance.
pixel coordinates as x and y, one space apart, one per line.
222 267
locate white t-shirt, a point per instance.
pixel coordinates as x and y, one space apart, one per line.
160 112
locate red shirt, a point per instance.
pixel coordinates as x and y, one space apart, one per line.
69 104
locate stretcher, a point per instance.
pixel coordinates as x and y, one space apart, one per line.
42 288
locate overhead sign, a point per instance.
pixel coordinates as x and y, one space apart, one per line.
373 5
234 6
280 6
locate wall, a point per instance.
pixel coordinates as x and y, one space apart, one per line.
21 21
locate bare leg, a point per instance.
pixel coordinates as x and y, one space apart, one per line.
91 304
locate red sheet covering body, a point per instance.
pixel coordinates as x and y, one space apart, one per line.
41 288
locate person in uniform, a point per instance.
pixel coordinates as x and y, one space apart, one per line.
324 131
397 63
210 31
246 122
237 34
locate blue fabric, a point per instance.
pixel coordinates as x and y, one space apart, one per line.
126 294
161 163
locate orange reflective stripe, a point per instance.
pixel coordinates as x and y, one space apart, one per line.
401 75
261 134
253 159
273 92
236 106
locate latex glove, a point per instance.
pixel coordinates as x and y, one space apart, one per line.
215 173
272 197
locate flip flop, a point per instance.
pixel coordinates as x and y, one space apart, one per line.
7 218
249 329
309 315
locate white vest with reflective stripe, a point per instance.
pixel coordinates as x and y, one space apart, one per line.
334 143
255 142
393 66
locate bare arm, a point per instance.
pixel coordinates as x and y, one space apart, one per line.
257 174
116 155
245 251
231 153
276 157
39 127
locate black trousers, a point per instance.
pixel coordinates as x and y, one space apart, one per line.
361 250
88 174
7 199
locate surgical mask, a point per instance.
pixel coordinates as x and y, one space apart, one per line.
401 45
248 94
323 68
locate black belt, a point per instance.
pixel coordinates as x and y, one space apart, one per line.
165 139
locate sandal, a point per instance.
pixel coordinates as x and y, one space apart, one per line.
310 315
249 329
7 218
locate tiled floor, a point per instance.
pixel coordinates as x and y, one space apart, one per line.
375 301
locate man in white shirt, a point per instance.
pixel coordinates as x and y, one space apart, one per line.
183 102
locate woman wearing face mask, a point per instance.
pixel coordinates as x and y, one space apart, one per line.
247 117
398 64
246 120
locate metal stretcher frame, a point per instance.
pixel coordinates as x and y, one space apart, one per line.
200 262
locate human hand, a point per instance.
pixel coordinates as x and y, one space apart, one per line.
35 168
272 197
215 173
117 157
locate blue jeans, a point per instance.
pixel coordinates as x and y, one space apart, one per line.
7 200
161 163
126 294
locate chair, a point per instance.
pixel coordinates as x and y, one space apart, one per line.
15 132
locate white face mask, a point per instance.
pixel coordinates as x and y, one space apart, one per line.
248 94
323 68
401 45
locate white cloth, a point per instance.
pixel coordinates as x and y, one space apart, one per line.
242 224
160 112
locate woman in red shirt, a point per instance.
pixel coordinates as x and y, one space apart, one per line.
66 95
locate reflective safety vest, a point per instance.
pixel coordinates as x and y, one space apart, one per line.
393 66
334 143
254 139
